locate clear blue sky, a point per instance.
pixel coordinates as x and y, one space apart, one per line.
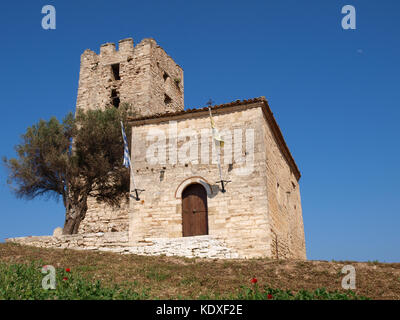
334 92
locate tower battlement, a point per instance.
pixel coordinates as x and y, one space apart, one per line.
144 76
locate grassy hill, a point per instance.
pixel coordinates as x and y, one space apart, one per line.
101 275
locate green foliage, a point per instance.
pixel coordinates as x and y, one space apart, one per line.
157 275
189 281
24 282
43 158
79 154
268 293
74 159
98 147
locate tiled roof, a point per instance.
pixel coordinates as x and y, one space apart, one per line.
260 100
194 110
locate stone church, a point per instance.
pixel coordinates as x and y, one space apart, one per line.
189 195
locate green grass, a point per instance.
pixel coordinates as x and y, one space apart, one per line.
156 274
24 282
268 293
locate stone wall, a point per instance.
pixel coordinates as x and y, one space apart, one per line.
284 202
259 215
239 216
190 247
101 217
89 241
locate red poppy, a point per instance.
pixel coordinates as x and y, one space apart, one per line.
254 280
269 296
68 270
65 278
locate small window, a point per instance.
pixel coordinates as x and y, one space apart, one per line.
165 76
167 99
115 98
162 173
116 102
115 70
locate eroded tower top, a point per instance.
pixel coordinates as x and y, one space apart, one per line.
142 75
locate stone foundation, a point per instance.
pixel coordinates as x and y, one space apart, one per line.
102 218
200 246
88 241
190 247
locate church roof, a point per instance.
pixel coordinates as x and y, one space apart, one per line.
241 104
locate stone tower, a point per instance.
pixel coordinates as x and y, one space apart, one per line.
143 76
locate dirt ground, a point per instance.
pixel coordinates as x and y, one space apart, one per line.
176 278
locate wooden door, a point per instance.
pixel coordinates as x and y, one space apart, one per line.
194 211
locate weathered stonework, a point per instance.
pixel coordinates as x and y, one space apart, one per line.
104 218
260 215
190 247
149 80
89 241
284 203
254 216
146 77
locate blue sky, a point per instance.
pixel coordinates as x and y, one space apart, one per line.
334 92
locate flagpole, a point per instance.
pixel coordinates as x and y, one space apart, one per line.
219 168
130 166
218 156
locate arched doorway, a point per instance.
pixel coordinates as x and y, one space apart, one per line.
194 210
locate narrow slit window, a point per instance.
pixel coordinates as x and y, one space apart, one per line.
165 76
115 98
115 70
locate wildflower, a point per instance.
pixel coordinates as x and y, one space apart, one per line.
269 296
65 278
68 270
254 280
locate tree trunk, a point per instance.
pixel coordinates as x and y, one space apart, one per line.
75 213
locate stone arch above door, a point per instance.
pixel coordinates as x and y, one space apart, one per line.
191 180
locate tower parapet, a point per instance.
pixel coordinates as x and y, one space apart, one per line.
143 76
